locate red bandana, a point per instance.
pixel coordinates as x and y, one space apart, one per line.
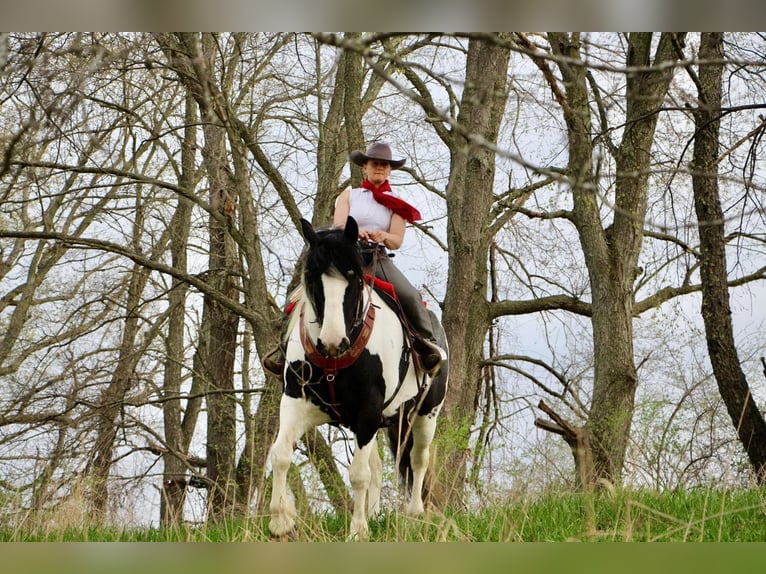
395 204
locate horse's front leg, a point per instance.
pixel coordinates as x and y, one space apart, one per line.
360 476
296 416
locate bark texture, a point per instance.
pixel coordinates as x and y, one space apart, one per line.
465 315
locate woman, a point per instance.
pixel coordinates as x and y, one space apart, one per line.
382 218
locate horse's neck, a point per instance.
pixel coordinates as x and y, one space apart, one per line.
302 306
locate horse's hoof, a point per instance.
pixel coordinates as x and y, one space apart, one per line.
359 534
289 536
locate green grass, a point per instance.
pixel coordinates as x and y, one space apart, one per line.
702 515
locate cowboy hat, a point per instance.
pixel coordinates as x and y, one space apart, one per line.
378 150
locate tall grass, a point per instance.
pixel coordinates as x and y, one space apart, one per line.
701 515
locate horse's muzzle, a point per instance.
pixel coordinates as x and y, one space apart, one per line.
333 350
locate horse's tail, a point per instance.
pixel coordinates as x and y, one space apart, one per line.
400 443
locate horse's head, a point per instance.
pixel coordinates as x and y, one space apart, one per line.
333 278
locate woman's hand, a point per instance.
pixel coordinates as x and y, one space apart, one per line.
376 236
392 238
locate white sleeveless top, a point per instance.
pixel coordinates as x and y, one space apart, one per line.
369 214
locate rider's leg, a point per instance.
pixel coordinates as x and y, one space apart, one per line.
431 354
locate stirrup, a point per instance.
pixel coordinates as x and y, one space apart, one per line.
430 356
274 362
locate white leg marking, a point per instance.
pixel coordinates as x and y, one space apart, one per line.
376 480
360 476
423 429
296 416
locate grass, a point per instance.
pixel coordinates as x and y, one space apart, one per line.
703 515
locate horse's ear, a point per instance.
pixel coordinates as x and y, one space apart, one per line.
351 231
308 232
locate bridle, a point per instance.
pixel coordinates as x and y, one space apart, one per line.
361 326
331 365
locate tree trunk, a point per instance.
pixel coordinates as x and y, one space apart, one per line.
174 473
110 403
353 77
193 57
337 137
111 400
716 310
321 456
611 253
221 326
259 427
465 318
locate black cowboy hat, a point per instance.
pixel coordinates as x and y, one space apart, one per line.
378 150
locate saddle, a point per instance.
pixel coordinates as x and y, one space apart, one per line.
387 292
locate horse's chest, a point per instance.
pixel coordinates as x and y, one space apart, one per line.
348 396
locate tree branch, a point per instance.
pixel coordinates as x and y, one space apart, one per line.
550 303
193 280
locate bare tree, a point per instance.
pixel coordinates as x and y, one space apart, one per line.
716 309
469 198
176 434
611 253
219 329
109 406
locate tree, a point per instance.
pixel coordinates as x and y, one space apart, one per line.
716 309
176 425
611 253
109 406
469 234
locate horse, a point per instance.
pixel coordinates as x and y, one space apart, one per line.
349 363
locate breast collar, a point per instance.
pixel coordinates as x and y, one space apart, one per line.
330 365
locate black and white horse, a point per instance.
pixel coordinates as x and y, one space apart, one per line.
349 363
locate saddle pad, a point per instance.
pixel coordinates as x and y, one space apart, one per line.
380 285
